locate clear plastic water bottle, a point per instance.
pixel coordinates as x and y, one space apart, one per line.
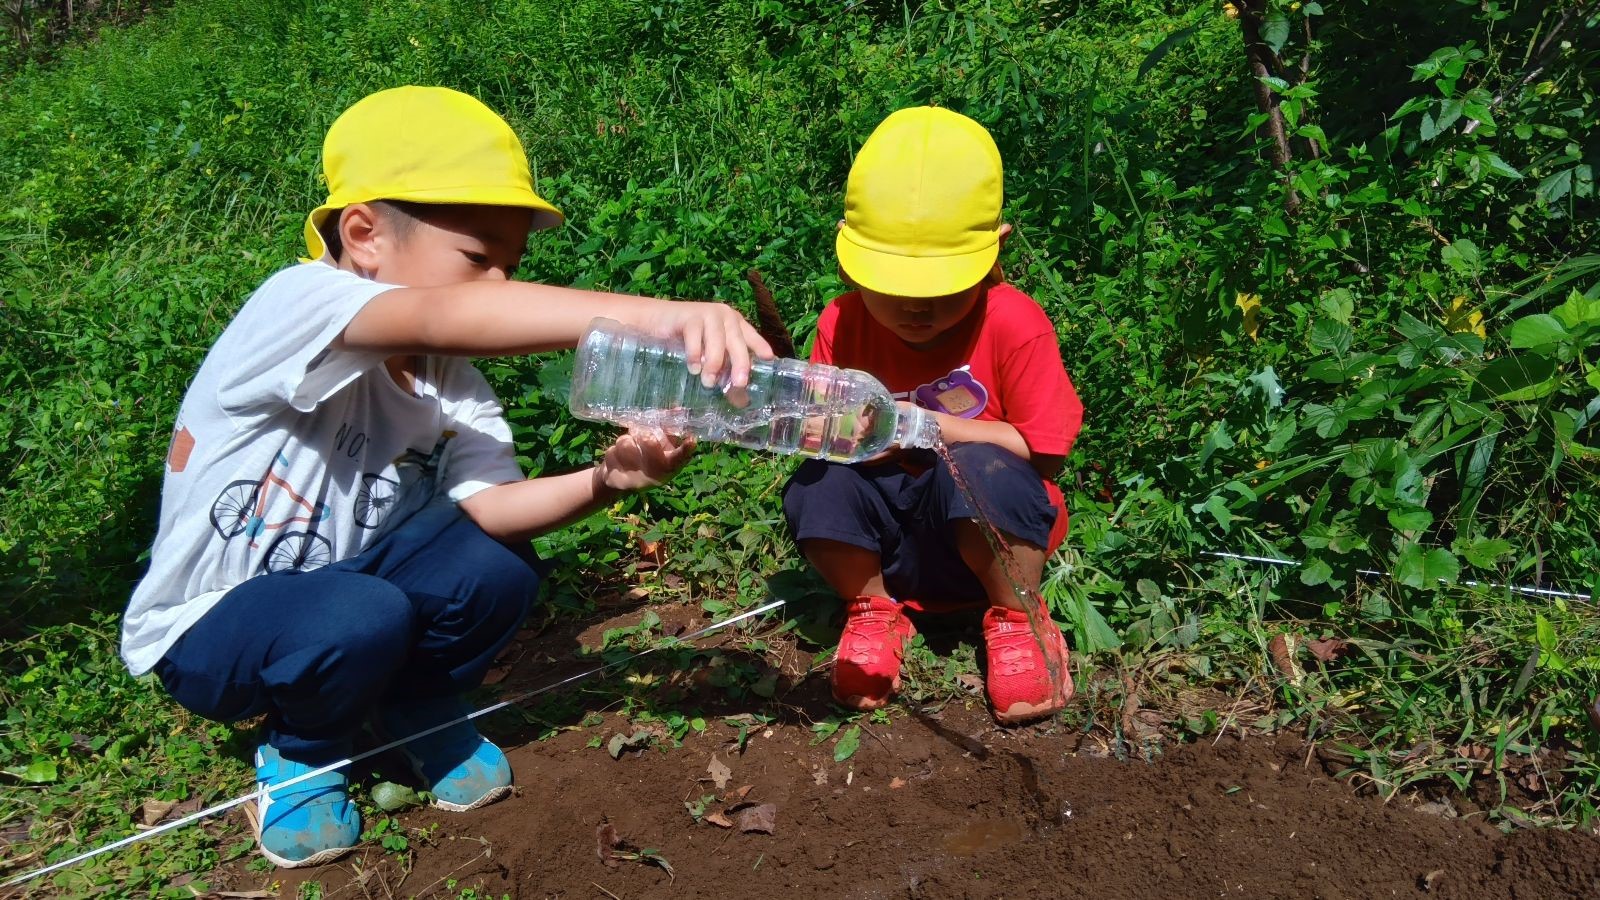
626 376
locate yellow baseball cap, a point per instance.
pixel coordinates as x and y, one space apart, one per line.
922 205
425 145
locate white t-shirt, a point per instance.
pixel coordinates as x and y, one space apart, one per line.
290 454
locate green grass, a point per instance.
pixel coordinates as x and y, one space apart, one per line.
153 175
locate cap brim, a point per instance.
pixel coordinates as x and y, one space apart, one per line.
545 215
913 276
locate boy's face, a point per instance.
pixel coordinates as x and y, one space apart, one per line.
450 244
921 322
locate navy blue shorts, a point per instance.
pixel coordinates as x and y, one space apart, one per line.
903 512
421 613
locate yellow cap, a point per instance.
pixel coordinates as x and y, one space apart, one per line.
922 205
425 145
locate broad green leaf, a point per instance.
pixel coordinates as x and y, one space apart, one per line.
1536 331
1327 421
846 746
1413 328
1218 508
41 771
1275 30
1484 553
1578 310
1217 439
1412 518
1266 381
1499 166
1544 634
1327 334
1338 304
1419 568
1516 378
1315 572
1429 128
1462 255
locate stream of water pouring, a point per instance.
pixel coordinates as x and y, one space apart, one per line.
1032 604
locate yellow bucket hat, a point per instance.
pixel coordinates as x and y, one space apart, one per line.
425 145
922 205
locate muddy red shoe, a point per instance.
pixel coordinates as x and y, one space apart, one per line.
1020 686
866 671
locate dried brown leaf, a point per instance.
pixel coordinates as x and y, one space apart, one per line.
896 783
719 772
1328 649
496 675
1281 648
758 819
719 819
743 792
151 812
652 554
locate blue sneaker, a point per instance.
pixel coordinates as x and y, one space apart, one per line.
306 824
457 765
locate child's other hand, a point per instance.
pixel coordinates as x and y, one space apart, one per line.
716 337
643 458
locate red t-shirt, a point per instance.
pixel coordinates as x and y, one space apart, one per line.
1002 362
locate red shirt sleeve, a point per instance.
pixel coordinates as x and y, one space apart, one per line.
1040 401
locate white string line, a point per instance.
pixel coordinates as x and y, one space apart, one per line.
512 701
256 794
1528 590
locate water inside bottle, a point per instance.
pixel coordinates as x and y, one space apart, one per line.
787 407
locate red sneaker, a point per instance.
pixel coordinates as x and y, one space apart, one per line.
1019 675
866 670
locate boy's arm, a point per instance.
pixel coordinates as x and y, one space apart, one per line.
955 429
506 318
521 510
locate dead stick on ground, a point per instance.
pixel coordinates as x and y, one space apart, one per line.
604 891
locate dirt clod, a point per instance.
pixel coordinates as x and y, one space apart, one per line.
761 818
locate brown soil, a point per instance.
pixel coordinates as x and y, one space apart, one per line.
944 804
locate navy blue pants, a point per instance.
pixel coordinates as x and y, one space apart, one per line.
904 515
420 614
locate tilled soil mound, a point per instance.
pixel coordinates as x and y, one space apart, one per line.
948 806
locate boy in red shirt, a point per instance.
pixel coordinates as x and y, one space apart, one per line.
932 318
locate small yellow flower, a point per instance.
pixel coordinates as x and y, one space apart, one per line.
1231 11
1250 307
1458 318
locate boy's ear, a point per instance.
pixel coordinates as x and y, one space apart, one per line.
361 230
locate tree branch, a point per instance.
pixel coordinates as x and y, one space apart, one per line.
1261 60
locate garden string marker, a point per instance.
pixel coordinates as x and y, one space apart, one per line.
256 794
1516 588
